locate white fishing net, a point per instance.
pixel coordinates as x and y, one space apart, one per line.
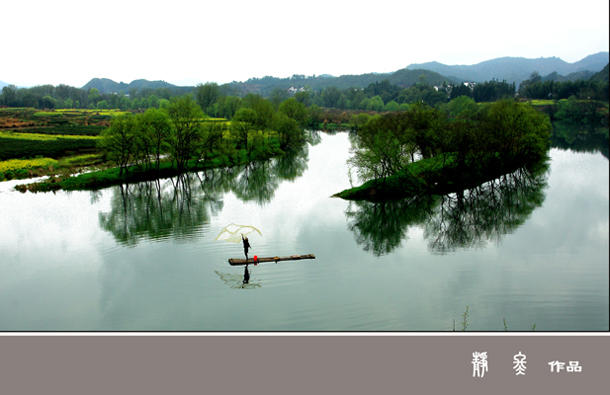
232 233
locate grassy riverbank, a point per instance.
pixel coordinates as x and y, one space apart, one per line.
439 175
103 178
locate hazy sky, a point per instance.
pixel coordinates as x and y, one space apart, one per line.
187 42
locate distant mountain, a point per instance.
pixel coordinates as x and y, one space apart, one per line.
3 84
404 78
514 69
105 85
579 75
602 75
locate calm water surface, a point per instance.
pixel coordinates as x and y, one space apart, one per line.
145 257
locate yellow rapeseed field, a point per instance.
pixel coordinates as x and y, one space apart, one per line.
17 164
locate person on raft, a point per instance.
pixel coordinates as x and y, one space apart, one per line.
246 245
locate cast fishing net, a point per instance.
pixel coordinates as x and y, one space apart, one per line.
232 233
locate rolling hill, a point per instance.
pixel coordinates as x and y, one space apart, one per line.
513 69
105 85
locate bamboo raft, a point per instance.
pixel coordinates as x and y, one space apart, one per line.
276 259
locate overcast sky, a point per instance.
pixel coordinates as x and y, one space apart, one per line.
187 42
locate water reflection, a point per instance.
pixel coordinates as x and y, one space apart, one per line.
580 138
238 281
158 209
179 207
471 218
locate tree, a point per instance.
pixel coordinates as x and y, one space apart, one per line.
330 97
9 94
186 132
303 97
155 128
459 90
243 121
277 96
463 105
94 96
47 102
206 95
376 104
117 142
516 131
263 109
295 110
288 130
227 106
392 106
535 77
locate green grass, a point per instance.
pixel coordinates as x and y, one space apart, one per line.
542 102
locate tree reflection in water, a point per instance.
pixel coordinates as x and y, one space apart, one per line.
471 218
179 207
176 207
580 138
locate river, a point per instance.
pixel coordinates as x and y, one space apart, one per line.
146 257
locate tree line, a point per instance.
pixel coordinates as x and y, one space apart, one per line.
225 100
64 96
181 132
535 88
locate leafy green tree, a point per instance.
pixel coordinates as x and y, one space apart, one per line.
358 120
164 104
212 139
277 96
392 106
303 97
9 95
535 77
227 106
365 103
243 123
155 130
117 142
288 130
462 105
376 104
330 97
124 103
516 130
295 110
153 101
206 95
185 116
263 109
94 96
493 90
459 90
47 102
